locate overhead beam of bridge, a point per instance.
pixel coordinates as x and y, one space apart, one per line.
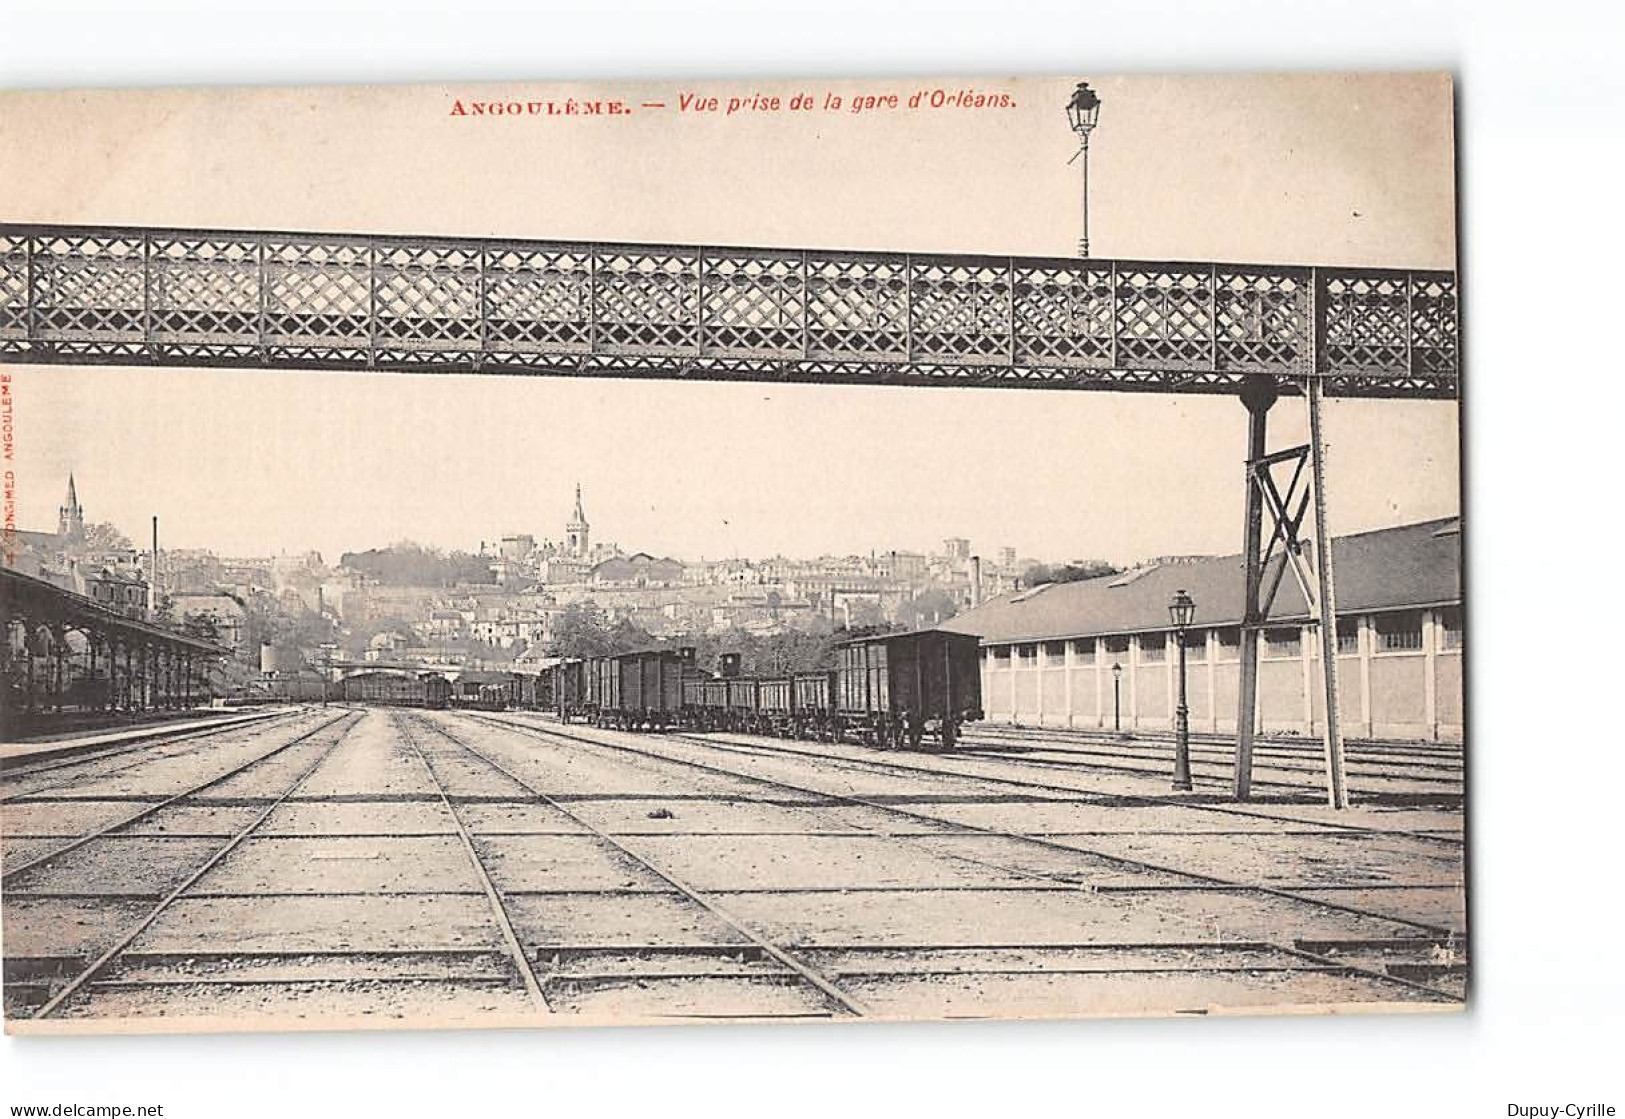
72 295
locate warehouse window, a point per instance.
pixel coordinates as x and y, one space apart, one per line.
1055 653
1153 647
1116 645
1348 635
1229 643
1400 631
1283 641
1449 626
1027 654
1083 652
1196 644
1001 655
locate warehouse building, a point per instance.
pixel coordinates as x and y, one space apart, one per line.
1101 652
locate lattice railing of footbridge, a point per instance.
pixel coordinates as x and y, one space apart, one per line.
82 295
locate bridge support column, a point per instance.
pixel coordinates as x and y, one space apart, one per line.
1287 506
1325 606
1258 394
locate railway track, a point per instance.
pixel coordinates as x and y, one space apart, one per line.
21 782
13 771
538 925
510 940
15 872
1216 782
839 1000
1025 786
77 983
1426 935
1436 770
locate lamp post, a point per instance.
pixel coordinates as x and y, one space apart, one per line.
1083 112
1117 697
1181 611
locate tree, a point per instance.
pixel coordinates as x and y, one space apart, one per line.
204 627
583 630
1073 572
408 564
927 609
104 536
285 626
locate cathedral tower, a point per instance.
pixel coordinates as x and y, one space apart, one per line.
576 532
70 516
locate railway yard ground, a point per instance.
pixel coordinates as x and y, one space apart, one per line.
404 866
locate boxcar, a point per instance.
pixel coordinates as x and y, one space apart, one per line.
902 689
641 690
567 689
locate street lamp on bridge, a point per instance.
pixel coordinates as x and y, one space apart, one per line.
1182 611
1083 112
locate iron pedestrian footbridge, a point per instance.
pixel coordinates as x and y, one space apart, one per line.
102 295
73 295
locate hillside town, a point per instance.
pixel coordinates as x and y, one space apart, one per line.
507 600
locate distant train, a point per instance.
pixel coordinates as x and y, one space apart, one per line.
894 690
480 691
395 688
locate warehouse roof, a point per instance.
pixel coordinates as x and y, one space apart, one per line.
1393 568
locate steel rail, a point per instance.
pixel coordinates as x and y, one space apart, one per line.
1311 963
267 722
1078 795
151 735
1293 744
1284 760
510 939
1211 880
1052 881
806 971
1131 770
1072 849
79 981
151 810
1282 780
1084 795
1373 789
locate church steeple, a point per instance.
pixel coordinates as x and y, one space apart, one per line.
576 533
70 516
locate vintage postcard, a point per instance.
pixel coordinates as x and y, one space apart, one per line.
780 550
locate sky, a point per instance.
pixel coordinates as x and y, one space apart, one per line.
1329 170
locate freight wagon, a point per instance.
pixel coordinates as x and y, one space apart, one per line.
396 688
637 691
891 690
566 689
896 690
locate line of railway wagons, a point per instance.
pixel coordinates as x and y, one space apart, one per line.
902 690
402 688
